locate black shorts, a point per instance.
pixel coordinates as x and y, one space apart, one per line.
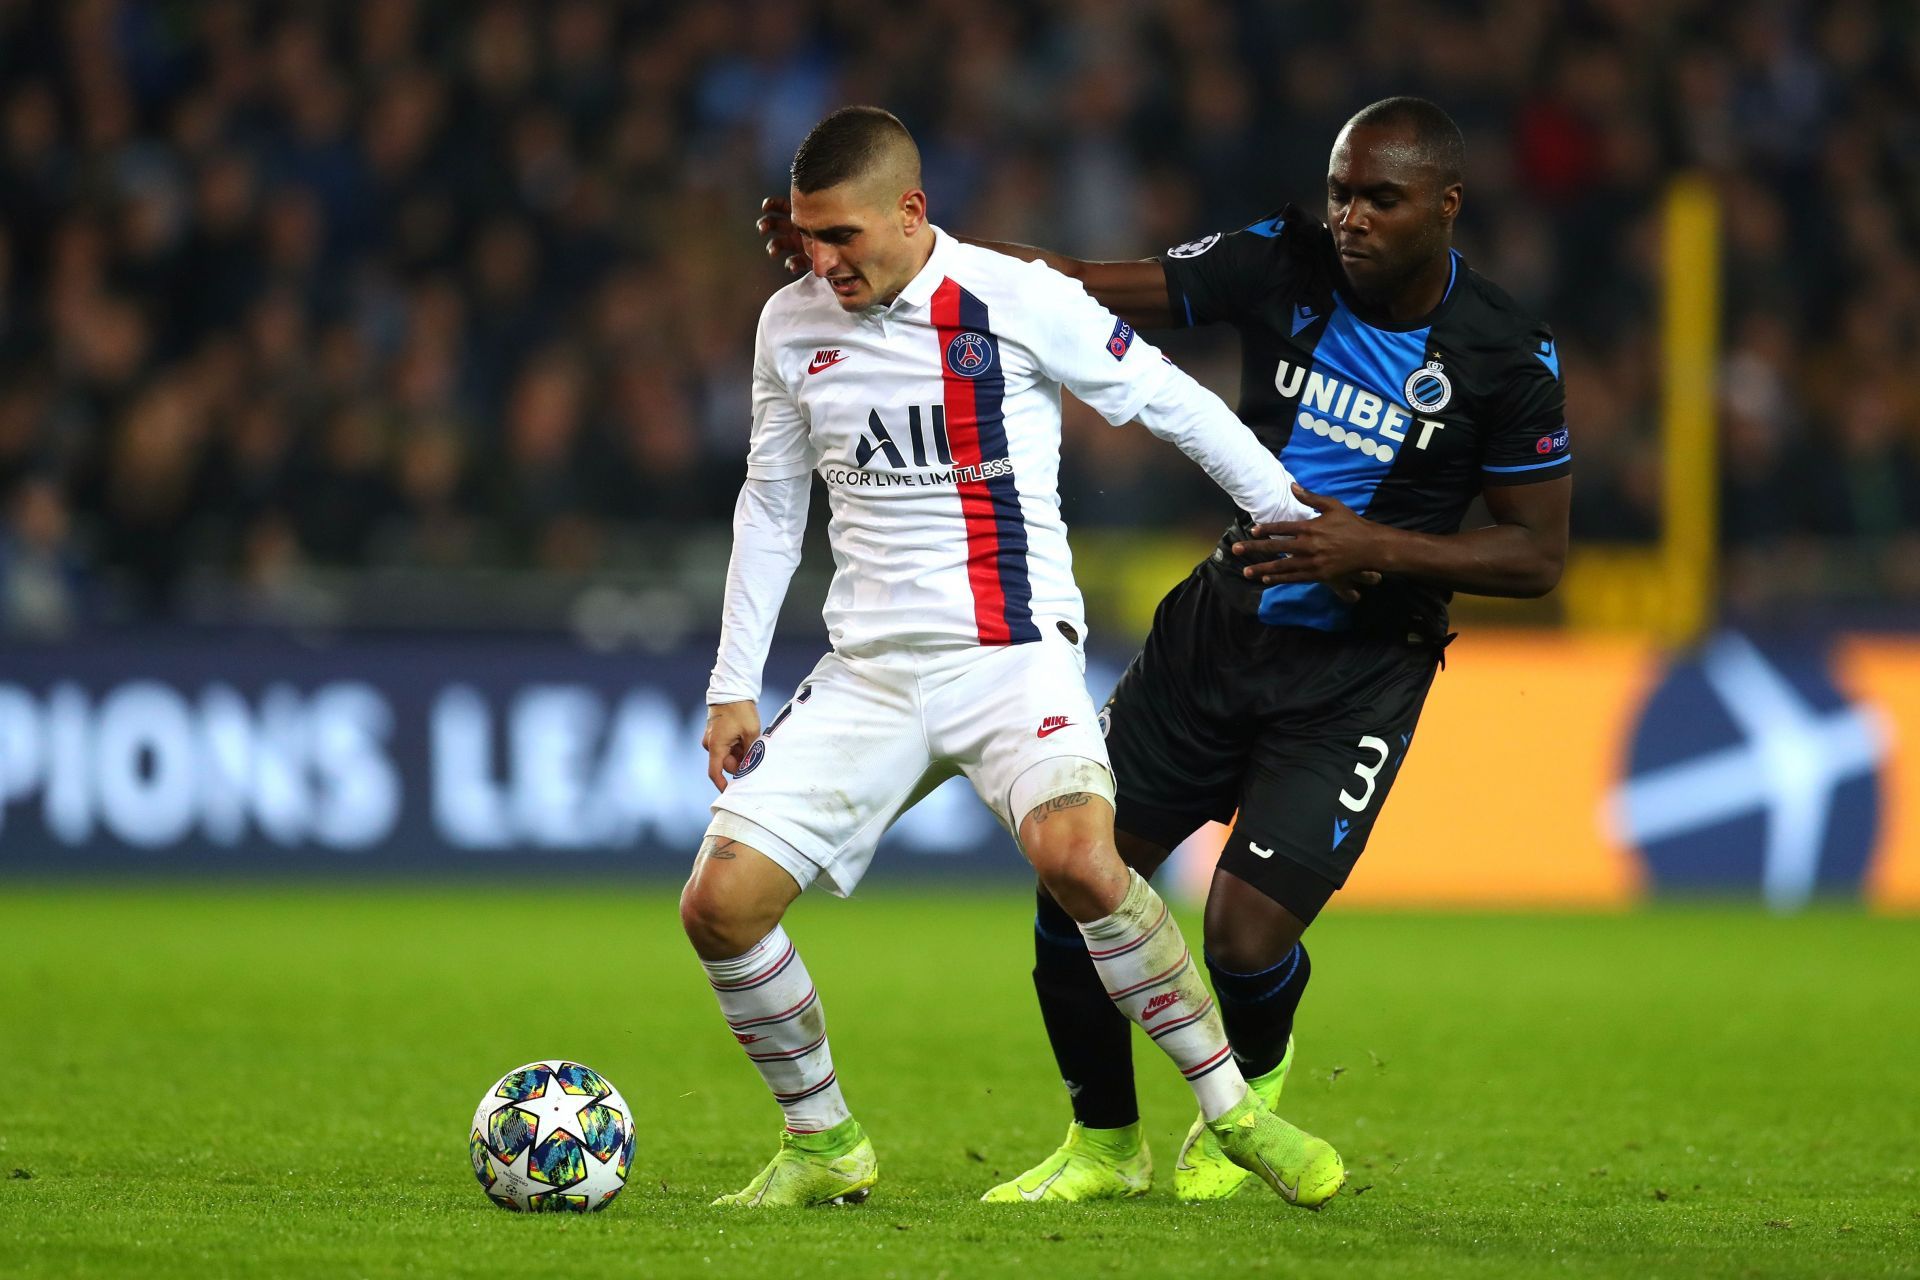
1300 732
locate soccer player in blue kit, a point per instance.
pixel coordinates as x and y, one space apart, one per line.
1397 385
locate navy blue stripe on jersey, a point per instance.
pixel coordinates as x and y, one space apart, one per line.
1349 426
989 392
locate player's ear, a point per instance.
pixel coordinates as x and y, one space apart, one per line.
912 211
1450 198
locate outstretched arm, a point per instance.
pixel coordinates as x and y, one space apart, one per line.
1135 291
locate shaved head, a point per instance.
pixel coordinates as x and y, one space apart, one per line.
861 145
1429 137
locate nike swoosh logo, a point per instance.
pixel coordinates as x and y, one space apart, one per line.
1291 1192
1055 728
1041 1190
1257 851
816 366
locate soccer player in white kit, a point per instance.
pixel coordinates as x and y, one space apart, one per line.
921 378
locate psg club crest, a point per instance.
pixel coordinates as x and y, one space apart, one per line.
970 354
755 754
1428 389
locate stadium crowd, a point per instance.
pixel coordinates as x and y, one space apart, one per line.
401 283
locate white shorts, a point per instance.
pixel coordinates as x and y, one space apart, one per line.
864 739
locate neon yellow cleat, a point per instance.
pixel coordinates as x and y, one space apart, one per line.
1301 1168
1092 1164
837 1166
1203 1171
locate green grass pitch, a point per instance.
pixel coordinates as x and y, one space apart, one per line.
277 1082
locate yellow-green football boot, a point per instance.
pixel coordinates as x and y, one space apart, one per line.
1203 1171
1302 1169
1092 1164
835 1166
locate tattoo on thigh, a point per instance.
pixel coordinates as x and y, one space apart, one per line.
718 847
1060 804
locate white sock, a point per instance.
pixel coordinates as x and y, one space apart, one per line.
773 1011
1148 972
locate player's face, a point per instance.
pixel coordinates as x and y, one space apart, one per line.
860 242
1390 213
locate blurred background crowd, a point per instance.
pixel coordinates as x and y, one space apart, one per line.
299 299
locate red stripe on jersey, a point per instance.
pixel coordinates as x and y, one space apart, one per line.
976 502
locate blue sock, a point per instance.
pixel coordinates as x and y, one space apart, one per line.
1258 1008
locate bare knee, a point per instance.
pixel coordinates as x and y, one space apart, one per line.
726 907
710 926
1246 931
1073 855
1085 889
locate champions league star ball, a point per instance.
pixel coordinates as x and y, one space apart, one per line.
552 1136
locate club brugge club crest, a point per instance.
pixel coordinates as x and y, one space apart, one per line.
969 354
1428 389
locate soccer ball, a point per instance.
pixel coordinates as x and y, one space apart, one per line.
554 1136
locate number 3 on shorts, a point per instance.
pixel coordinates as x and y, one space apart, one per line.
1369 773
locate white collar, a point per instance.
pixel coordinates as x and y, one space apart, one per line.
919 290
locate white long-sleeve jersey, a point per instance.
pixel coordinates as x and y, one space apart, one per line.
935 422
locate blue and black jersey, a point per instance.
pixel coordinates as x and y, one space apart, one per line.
1403 423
